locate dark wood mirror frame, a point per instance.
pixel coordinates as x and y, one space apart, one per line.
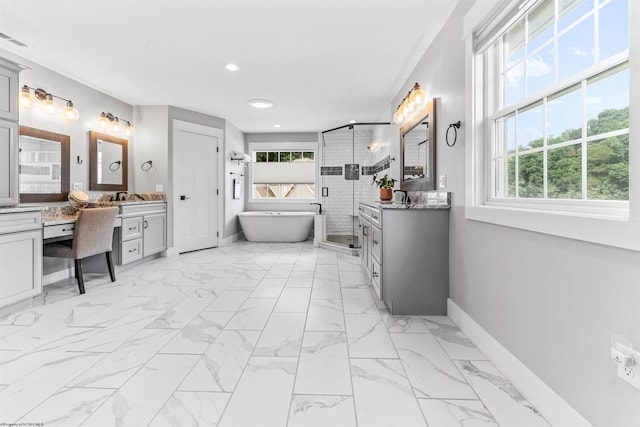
428 115
93 162
65 143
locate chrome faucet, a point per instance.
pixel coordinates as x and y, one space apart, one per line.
320 207
405 196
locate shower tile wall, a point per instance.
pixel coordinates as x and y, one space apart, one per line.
344 195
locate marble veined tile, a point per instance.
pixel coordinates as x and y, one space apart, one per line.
321 411
198 335
326 288
263 395
367 336
327 271
191 408
125 310
454 342
325 315
68 407
269 288
29 391
280 270
6 330
178 316
383 395
293 300
282 336
456 413
324 364
405 324
358 301
138 401
120 365
230 300
353 279
219 369
253 314
508 406
300 278
429 369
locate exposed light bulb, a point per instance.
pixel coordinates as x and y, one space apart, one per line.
116 126
27 98
69 112
103 121
49 106
418 97
128 129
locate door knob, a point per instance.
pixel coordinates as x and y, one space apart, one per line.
184 198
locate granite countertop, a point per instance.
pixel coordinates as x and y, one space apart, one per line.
400 206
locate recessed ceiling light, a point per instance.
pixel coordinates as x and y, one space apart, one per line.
276 126
352 121
260 103
231 67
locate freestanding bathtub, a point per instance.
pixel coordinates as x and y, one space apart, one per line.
276 226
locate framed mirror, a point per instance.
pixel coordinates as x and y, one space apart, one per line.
43 165
418 151
107 162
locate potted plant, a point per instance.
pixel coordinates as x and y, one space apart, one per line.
386 186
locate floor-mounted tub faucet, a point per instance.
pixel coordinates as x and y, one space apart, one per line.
319 205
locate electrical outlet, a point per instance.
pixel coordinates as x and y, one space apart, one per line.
628 361
77 186
159 187
442 181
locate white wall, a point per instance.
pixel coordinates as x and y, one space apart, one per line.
233 141
552 302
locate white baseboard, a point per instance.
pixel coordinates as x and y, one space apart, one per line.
233 238
56 276
552 407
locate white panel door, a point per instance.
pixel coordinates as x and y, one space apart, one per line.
195 192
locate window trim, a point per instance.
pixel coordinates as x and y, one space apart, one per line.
281 146
600 226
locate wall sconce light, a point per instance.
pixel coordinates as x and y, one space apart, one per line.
410 105
108 121
31 96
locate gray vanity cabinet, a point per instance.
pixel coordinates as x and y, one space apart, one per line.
143 232
20 256
408 257
9 190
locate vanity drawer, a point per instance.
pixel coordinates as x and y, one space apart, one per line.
131 251
131 228
20 221
51 231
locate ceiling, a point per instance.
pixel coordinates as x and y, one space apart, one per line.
321 62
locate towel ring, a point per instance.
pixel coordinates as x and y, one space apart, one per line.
114 166
147 168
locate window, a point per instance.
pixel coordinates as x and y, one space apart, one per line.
283 174
552 101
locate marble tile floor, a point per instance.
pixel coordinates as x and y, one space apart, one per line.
243 335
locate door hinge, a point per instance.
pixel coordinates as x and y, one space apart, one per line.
217 149
217 234
217 191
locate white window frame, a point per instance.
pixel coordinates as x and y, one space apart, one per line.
282 146
616 224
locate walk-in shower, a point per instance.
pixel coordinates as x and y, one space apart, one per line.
351 155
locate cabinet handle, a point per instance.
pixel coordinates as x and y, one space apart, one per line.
375 216
375 242
364 231
146 224
132 228
132 250
67 229
375 274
